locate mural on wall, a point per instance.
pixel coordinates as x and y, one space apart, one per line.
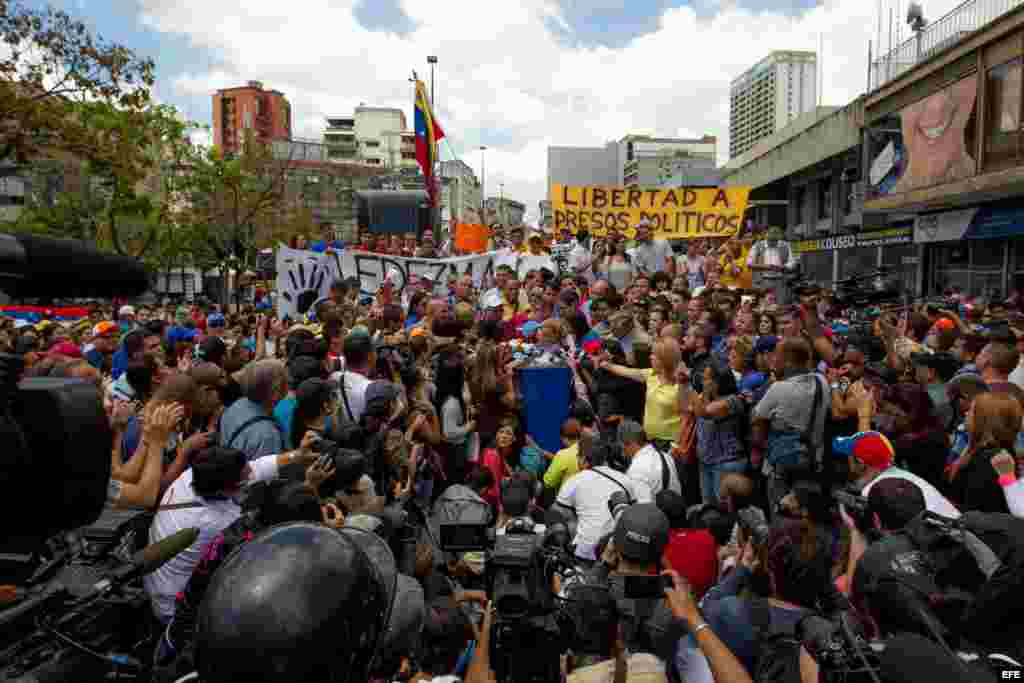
926 143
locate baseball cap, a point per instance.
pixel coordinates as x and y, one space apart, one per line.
302 368
126 310
871 448
642 532
529 328
765 344
65 349
180 334
216 320
105 329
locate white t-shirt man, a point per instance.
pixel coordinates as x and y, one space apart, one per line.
651 257
647 469
209 516
587 495
933 500
353 389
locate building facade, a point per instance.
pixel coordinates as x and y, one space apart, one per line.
378 136
769 95
504 211
266 113
461 194
944 149
546 214
668 162
807 179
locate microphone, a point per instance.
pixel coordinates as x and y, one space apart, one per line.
33 266
150 558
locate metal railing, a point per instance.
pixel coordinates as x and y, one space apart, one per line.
937 36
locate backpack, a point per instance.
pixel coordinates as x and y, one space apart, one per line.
778 648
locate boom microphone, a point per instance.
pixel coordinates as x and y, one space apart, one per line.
33 266
150 558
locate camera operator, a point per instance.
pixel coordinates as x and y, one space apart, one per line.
587 494
204 497
791 574
635 550
273 502
870 456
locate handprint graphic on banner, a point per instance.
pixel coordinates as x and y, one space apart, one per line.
304 281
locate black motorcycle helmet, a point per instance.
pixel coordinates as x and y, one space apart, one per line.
300 602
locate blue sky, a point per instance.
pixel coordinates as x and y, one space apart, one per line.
515 76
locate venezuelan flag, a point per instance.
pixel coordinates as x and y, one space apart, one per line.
428 134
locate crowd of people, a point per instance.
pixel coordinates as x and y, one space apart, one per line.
708 427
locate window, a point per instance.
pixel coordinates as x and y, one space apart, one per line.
1003 117
976 267
825 199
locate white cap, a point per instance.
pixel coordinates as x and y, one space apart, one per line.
18 324
126 310
492 299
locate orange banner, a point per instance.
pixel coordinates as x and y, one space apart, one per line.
471 237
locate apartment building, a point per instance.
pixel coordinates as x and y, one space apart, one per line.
769 95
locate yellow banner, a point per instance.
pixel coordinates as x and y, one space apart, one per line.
674 213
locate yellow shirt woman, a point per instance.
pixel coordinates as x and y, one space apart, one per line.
734 269
661 410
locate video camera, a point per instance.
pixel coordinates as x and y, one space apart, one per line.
520 568
70 598
858 507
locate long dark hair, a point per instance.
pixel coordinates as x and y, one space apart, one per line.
449 378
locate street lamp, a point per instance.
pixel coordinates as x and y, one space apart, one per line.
432 61
483 184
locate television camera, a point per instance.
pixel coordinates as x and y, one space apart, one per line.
74 604
520 573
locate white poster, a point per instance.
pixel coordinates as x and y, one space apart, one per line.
304 277
943 227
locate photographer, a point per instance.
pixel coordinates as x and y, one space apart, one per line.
791 576
640 537
587 494
870 458
204 497
274 502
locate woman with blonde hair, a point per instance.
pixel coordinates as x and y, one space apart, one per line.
992 424
662 409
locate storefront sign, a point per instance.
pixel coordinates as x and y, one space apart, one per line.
943 227
878 238
674 213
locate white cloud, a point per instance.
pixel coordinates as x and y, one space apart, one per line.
504 76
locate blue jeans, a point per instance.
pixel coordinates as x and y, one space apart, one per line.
711 477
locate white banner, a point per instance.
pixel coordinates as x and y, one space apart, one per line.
304 277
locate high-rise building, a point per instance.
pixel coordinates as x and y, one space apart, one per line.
378 136
461 197
648 161
249 108
769 95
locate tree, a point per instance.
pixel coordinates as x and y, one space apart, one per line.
128 196
232 195
52 66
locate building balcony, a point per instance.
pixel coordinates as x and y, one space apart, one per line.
936 37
